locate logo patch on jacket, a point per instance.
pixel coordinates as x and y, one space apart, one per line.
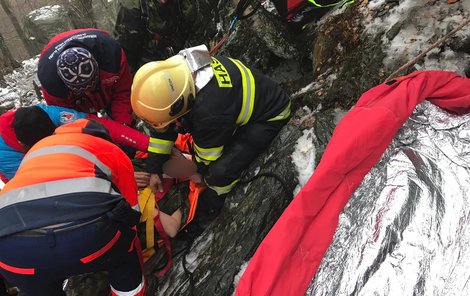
110 81
221 74
66 117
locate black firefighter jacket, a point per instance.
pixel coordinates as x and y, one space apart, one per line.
235 99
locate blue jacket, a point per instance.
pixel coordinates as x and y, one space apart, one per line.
11 151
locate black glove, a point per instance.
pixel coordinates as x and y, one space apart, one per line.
129 151
209 205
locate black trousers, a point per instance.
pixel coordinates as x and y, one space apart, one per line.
39 263
247 143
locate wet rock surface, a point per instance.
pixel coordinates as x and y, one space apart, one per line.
44 23
249 212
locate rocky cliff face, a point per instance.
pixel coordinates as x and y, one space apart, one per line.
347 51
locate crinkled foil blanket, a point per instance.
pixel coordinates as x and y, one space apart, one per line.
406 229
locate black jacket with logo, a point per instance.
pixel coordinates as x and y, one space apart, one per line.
236 96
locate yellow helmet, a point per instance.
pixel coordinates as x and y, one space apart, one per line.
162 91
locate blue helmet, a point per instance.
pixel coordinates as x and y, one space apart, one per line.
78 69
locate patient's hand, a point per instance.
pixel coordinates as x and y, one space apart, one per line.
142 179
197 178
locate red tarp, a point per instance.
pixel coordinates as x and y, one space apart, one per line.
287 259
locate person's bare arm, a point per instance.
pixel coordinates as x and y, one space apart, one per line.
171 224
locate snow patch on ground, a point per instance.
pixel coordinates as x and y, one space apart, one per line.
303 158
339 114
318 85
269 6
310 87
232 205
374 4
238 276
193 257
419 24
45 12
396 14
19 90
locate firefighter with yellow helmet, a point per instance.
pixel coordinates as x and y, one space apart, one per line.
233 113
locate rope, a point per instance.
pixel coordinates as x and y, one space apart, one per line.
284 186
437 43
238 15
219 44
186 270
339 3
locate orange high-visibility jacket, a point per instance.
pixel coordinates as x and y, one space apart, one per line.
66 177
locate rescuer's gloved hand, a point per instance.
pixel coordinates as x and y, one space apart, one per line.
128 150
209 206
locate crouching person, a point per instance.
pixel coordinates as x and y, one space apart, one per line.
232 112
68 211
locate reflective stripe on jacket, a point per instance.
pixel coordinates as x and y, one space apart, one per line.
236 96
66 177
235 99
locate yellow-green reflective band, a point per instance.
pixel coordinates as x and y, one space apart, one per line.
160 146
343 2
248 82
206 162
224 189
285 113
210 154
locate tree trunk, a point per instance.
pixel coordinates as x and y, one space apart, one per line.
6 58
6 7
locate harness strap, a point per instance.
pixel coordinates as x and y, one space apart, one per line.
167 244
147 203
144 197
